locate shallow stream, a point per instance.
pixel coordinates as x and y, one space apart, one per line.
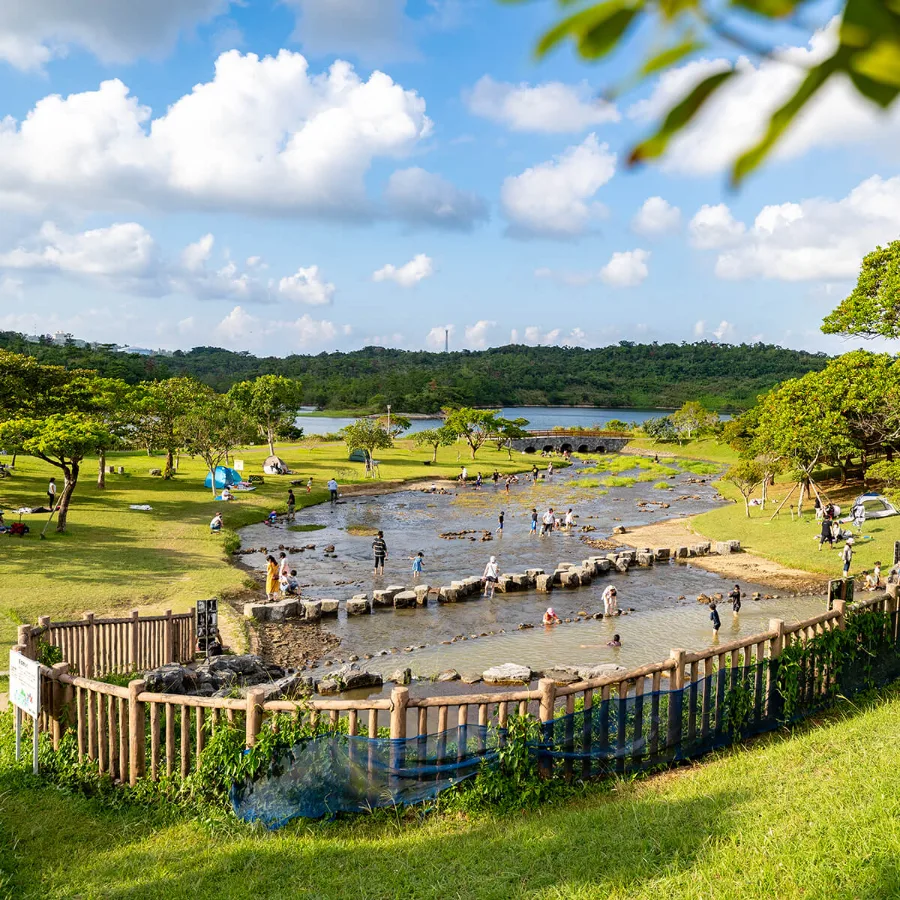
663 598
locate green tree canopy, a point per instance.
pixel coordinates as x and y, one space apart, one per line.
873 308
366 434
508 430
693 419
211 428
62 440
746 475
474 425
434 438
271 401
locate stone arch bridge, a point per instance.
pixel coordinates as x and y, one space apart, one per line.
571 441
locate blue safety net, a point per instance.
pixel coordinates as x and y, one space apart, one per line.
338 773
613 735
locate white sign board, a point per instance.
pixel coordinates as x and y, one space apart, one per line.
238 465
25 684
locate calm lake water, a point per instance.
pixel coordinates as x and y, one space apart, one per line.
663 597
540 418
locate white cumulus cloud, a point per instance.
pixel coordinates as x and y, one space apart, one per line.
264 136
556 198
815 239
656 217
307 286
34 32
477 334
409 274
241 330
423 199
435 338
738 114
714 226
626 269
550 108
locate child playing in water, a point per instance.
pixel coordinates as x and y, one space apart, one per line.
714 618
550 617
500 523
418 562
490 577
615 642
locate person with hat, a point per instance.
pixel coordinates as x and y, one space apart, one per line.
490 577
550 617
847 555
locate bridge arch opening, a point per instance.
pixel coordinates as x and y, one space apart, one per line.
583 448
600 449
548 448
566 448
530 450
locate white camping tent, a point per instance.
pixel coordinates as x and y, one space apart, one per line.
877 506
274 466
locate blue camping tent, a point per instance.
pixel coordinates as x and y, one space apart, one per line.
225 477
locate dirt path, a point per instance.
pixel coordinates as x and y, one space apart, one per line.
740 566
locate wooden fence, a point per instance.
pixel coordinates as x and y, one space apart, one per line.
94 647
130 732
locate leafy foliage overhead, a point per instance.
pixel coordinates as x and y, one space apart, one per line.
873 308
866 51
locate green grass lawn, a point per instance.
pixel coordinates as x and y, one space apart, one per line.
705 449
813 815
113 558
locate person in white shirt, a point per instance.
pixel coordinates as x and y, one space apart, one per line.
284 565
51 492
610 601
547 521
333 487
216 523
570 519
490 577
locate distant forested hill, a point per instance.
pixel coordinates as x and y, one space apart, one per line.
722 376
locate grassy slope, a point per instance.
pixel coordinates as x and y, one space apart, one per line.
814 816
115 558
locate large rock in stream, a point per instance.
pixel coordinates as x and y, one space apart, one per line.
508 673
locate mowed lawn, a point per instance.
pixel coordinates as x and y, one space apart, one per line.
113 558
814 815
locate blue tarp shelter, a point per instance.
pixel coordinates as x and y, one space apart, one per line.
225 477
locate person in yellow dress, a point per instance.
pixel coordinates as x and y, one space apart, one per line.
271 578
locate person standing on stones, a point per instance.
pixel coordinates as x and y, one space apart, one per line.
735 598
570 519
379 550
271 578
490 577
284 565
291 505
610 601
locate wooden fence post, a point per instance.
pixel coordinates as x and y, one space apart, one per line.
840 607
676 700
169 639
134 655
136 731
399 704
88 644
774 706
59 711
255 699
547 687
24 641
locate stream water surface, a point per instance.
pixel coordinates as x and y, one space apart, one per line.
663 611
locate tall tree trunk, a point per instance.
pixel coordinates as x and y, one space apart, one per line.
434 455
765 492
747 504
804 487
169 469
270 434
71 479
15 454
101 472
212 476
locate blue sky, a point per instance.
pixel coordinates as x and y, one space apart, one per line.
313 175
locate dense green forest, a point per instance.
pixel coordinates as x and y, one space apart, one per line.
722 376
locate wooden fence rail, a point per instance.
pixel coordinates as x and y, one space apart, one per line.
630 717
96 647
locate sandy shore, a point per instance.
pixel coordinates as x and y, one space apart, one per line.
739 566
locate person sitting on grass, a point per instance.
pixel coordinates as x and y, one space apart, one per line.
226 494
873 578
615 642
550 617
215 525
